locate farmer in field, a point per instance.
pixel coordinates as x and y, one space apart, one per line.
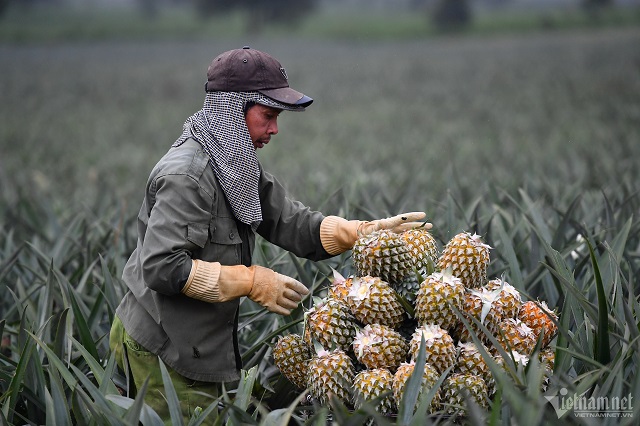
203 203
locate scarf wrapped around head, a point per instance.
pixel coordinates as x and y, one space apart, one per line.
221 129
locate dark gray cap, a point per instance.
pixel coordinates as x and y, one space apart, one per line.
250 70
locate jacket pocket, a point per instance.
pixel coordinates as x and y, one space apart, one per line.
197 234
226 244
224 230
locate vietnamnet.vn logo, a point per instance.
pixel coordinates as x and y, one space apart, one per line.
591 406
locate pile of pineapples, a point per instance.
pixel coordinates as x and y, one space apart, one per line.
361 341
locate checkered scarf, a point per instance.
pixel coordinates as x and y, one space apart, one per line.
221 129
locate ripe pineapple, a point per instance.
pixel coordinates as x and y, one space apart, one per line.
331 324
467 257
439 346
457 384
509 297
484 306
379 346
548 358
536 316
291 355
371 384
382 254
331 373
373 301
423 248
471 361
429 379
437 295
516 335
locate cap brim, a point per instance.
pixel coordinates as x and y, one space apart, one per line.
288 96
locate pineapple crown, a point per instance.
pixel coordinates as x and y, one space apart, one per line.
446 276
477 241
488 298
430 331
366 337
360 288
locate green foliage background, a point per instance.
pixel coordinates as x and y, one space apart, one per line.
531 140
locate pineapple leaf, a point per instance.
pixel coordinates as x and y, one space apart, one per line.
602 352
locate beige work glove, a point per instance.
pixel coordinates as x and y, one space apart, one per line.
338 235
213 282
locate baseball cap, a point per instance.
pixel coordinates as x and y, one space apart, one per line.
249 70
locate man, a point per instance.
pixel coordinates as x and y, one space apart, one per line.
204 202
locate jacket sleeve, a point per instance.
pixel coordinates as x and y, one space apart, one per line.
178 226
288 223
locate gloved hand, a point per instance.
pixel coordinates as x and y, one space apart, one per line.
338 235
213 282
276 292
397 224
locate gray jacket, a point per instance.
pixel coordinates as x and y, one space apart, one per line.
186 215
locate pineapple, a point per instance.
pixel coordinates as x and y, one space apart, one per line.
485 307
439 346
509 297
371 384
331 324
423 248
456 385
437 295
331 373
471 361
538 316
378 346
373 301
429 379
516 336
548 358
409 286
467 257
382 254
291 355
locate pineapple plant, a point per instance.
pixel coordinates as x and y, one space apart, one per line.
439 346
429 378
457 384
382 254
331 324
541 319
371 384
291 355
509 297
331 373
467 257
435 300
373 301
378 346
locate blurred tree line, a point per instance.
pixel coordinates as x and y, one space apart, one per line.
445 15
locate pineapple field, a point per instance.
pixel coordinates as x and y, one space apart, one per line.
519 306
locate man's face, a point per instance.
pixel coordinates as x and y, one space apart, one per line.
262 122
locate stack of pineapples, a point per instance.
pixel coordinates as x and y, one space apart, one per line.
362 340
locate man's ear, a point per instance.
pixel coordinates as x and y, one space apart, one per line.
247 107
